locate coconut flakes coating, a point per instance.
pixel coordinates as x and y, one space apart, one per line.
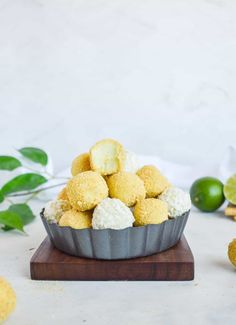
127 187
155 183
131 162
7 299
80 164
54 210
76 219
107 157
113 214
86 190
150 211
177 200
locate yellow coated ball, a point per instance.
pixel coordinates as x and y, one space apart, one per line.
63 195
127 187
150 211
232 251
155 183
76 219
107 157
86 190
7 299
80 164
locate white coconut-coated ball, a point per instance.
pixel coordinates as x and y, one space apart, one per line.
113 214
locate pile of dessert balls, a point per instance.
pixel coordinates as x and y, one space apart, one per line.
108 189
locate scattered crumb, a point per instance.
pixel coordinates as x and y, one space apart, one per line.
48 287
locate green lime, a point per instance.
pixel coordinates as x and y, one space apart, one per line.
230 189
207 194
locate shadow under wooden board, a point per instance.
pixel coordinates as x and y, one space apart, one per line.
175 264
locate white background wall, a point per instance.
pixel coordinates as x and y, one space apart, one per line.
160 76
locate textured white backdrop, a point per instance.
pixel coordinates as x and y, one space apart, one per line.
159 76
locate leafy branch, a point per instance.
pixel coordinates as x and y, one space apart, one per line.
36 191
16 216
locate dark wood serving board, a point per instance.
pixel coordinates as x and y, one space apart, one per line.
175 264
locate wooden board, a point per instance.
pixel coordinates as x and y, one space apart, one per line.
175 264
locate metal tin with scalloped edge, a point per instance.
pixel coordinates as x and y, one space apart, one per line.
111 244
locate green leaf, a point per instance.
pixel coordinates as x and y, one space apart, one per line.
6 228
24 211
35 154
9 163
1 196
11 219
28 181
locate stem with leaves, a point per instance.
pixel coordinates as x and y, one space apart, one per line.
36 191
26 184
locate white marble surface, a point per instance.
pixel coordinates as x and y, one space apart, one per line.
209 299
159 76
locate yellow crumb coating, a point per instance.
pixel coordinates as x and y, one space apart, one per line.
63 195
127 187
150 211
86 190
7 299
155 183
80 164
232 251
76 219
107 157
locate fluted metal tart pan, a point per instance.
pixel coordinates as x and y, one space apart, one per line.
110 244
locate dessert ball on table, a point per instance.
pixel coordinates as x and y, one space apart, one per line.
155 183
177 201
131 162
54 209
7 300
232 251
150 211
76 219
127 187
107 157
80 164
86 190
113 214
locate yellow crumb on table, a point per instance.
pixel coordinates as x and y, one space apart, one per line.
230 211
